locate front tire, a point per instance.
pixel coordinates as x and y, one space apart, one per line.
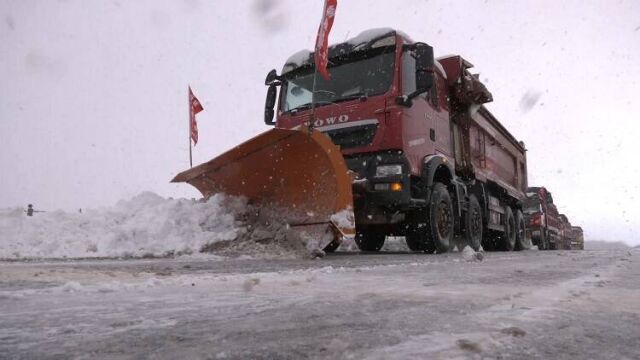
369 238
415 235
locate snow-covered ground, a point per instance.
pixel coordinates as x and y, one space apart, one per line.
146 225
529 304
151 226
174 278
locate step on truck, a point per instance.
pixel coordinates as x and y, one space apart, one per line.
397 138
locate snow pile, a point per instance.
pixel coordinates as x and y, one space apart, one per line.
395 244
146 225
151 226
265 235
470 255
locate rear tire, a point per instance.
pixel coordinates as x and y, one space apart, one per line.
551 245
521 231
490 240
473 224
508 242
545 241
370 238
540 241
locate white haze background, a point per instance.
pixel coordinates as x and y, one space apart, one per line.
93 94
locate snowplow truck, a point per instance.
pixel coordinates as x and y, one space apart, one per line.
398 139
543 220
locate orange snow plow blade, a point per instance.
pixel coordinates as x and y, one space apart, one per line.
303 173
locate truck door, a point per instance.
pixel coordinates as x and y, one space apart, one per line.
418 130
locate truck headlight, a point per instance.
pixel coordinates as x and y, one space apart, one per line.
388 170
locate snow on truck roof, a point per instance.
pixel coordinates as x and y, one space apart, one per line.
372 34
371 38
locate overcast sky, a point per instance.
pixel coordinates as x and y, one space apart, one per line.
93 94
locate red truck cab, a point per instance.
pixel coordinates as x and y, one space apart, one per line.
542 218
359 106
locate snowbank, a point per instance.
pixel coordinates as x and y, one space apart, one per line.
146 225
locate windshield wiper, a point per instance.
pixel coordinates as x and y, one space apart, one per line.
308 106
359 95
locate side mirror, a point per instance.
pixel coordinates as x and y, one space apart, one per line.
424 56
271 77
425 77
269 104
424 80
424 67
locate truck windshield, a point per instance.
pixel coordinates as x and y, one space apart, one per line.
361 73
531 206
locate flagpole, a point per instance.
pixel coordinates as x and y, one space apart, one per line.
315 75
313 99
322 39
189 128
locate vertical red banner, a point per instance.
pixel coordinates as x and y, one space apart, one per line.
194 107
321 55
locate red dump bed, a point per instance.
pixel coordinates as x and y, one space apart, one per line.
485 150
495 154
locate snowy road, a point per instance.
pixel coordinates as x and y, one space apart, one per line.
564 304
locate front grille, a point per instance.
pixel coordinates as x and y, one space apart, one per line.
354 136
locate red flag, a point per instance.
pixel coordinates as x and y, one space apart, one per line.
321 55
194 108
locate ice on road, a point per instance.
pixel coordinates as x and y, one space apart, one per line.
530 304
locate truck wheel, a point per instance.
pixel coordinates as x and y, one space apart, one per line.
417 236
552 240
414 237
544 240
490 240
521 231
473 224
509 236
539 240
370 238
440 219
